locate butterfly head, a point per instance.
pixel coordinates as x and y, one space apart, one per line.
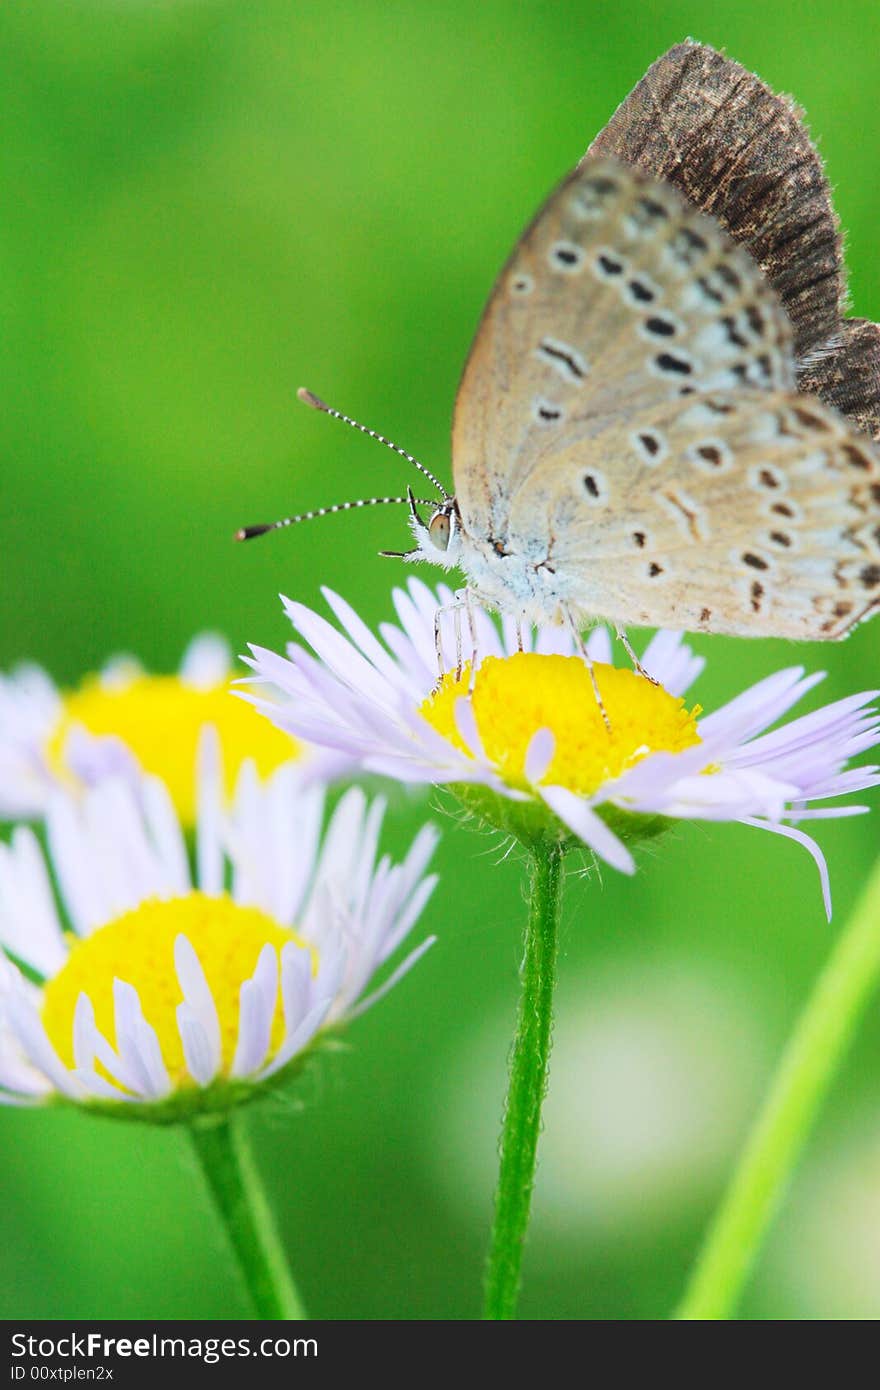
438 540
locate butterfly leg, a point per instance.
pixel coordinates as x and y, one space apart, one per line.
438 643
637 665
585 657
519 633
460 603
472 627
456 619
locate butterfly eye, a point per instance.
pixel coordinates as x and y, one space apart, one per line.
439 529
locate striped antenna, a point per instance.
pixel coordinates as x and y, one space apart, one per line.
247 533
309 398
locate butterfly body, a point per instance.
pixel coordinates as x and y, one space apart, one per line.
629 442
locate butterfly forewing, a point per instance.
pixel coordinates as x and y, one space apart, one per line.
751 513
618 299
742 153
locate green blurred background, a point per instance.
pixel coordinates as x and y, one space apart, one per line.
206 205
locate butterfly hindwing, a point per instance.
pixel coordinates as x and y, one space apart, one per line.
751 513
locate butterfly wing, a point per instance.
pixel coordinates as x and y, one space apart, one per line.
742 153
618 298
751 513
848 377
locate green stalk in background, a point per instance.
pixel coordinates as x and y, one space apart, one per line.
232 1180
809 1062
529 1062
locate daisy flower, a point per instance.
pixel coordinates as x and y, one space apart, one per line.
123 720
142 989
522 739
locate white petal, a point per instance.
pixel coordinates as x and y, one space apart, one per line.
394 978
200 1056
209 783
791 833
142 1067
580 818
206 661
28 1028
599 646
296 974
407 917
466 724
29 924
166 836
672 662
120 671
257 998
372 649
298 1039
198 999
72 860
539 754
340 655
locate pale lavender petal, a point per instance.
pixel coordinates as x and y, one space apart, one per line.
294 813
589 827
197 997
672 662
407 916
29 924
339 655
200 1058
27 1027
760 706
296 974
209 784
91 1045
120 671
206 662
394 978
539 754
258 997
599 646
139 1052
102 1089
298 1039
71 858
791 833
331 972
166 837
466 724
17 1075
96 758
372 649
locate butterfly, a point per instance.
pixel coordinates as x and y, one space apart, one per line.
629 442
649 428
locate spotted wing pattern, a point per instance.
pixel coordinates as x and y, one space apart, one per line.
751 513
618 299
743 153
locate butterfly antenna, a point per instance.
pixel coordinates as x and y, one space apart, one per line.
309 398
247 533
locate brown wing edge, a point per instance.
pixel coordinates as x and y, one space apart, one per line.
847 376
703 122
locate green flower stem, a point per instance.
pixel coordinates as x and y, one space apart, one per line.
803 1077
229 1171
528 1084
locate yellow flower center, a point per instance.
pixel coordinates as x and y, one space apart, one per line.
138 948
160 717
515 696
